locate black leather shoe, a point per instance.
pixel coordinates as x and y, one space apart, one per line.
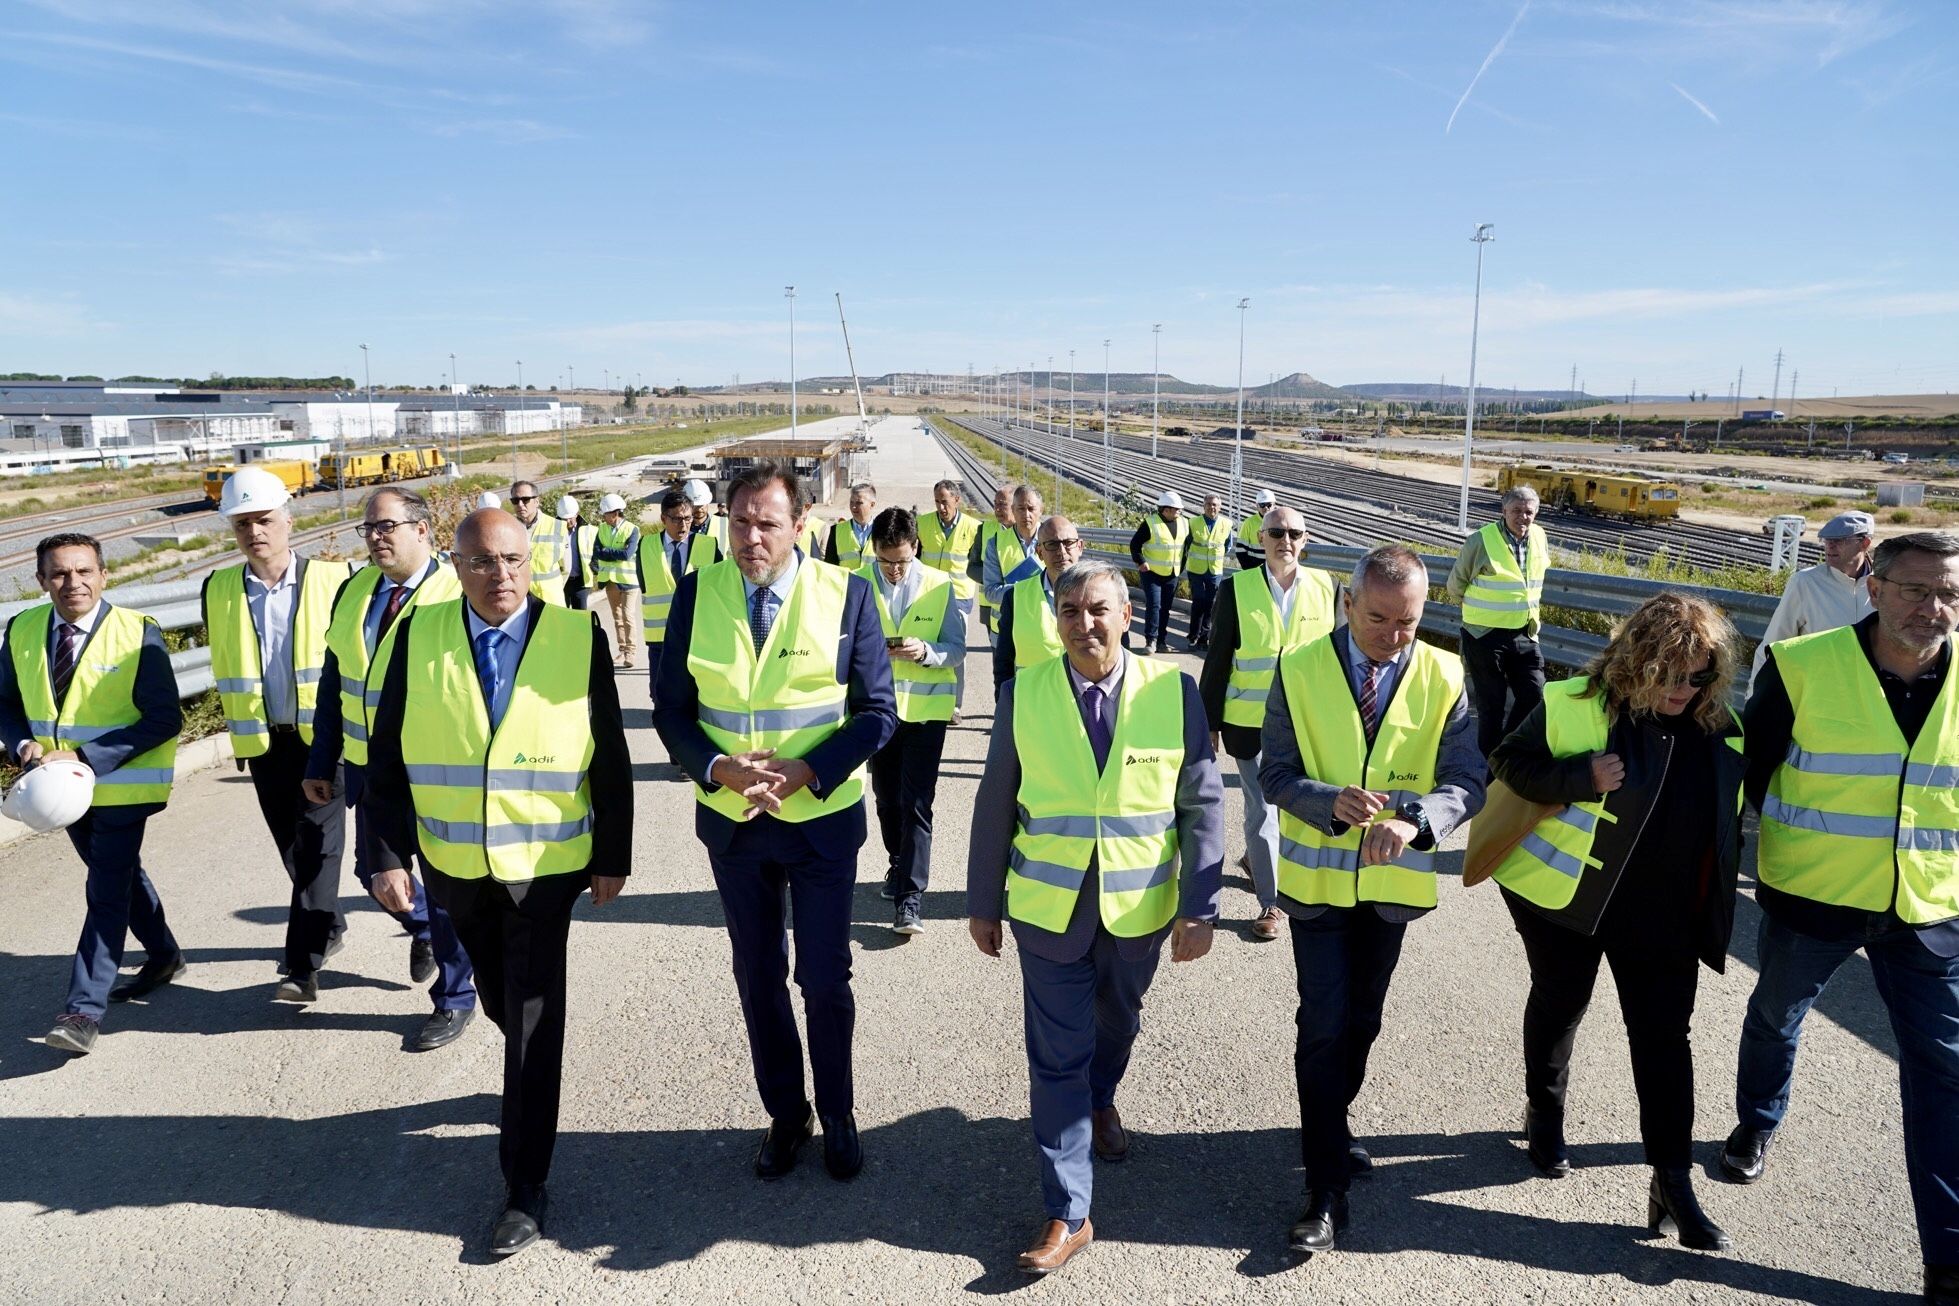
1544 1144
443 1028
1359 1163
1320 1223
843 1151
334 945
522 1220
780 1146
1942 1285
1746 1154
1672 1198
421 961
154 975
298 991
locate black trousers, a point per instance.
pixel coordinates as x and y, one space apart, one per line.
518 946
310 841
1343 958
905 779
1656 979
1502 665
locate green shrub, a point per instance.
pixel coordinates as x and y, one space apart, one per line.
1901 516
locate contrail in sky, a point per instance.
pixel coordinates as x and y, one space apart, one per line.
1685 95
1489 59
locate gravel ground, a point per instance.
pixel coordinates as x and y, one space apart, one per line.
218 1148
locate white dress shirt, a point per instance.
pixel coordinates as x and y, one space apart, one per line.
271 606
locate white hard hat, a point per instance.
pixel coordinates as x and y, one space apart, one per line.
251 489
567 508
612 503
697 493
52 796
1170 499
1264 498
488 499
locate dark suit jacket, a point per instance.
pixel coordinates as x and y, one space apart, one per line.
862 666
392 808
155 695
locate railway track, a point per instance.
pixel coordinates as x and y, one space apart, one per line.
1353 505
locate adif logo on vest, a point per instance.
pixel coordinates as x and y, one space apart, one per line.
534 759
1402 775
793 652
1146 759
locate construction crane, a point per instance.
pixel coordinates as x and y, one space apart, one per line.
863 418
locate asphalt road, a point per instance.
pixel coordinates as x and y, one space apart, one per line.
218 1148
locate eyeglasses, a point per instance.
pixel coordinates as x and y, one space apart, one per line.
1283 533
489 564
1072 542
367 529
523 498
1919 593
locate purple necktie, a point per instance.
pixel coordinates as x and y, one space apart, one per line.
1095 710
67 644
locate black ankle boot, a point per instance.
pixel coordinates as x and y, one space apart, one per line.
1544 1143
1672 1198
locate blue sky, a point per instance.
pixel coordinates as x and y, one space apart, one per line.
1678 188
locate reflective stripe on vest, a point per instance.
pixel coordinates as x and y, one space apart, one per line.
514 805
237 664
101 699
623 536
1124 817
1256 658
1037 636
924 693
788 697
1208 541
1501 596
1852 816
850 554
1251 535
550 558
1163 552
948 549
347 637
1546 866
1317 869
657 583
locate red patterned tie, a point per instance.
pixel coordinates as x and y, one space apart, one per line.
1370 693
64 660
397 597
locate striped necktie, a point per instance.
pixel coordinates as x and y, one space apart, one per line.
66 645
1370 694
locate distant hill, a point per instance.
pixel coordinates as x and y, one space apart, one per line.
1300 386
1414 392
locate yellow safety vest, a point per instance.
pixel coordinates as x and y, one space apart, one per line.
850 554
1251 535
924 693
238 662
812 542
1037 635
1260 641
514 803
101 699
949 549
1853 816
787 697
1124 818
657 580
1007 549
347 637
1500 596
705 548
1163 552
1208 541
623 536
1317 869
550 558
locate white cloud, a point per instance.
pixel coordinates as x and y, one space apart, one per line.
30 316
1484 67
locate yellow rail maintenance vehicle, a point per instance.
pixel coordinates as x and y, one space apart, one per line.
378 467
1636 498
298 475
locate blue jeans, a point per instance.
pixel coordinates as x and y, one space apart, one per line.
1921 992
1159 595
425 921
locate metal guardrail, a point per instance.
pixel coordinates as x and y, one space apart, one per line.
175 607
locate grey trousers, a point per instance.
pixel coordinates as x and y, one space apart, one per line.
1261 834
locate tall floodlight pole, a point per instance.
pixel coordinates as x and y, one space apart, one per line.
1485 233
522 405
456 394
367 376
789 293
1108 444
1156 379
1071 397
564 441
1238 432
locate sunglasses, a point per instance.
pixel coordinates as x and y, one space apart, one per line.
1698 679
1283 533
523 498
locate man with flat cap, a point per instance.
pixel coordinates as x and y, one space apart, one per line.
1834 592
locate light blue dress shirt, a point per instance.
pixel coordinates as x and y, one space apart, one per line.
514 627
1357 674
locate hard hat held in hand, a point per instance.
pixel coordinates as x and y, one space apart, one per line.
567 508
53 796
489 499
251 489
612 503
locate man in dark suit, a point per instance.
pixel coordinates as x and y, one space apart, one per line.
87 682
506 848
1099 833
775 730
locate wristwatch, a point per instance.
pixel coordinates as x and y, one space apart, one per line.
1412 813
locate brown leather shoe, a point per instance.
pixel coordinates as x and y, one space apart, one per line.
1270 921
1107 1136
1054 1247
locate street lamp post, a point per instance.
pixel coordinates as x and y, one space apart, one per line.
1108 441
522 405
1485 233
367 377
789 293
1238 432
1156 379
456 402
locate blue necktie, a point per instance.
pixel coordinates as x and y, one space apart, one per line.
489 669
761 615
1095 708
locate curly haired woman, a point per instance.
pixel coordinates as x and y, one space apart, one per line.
1637 869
